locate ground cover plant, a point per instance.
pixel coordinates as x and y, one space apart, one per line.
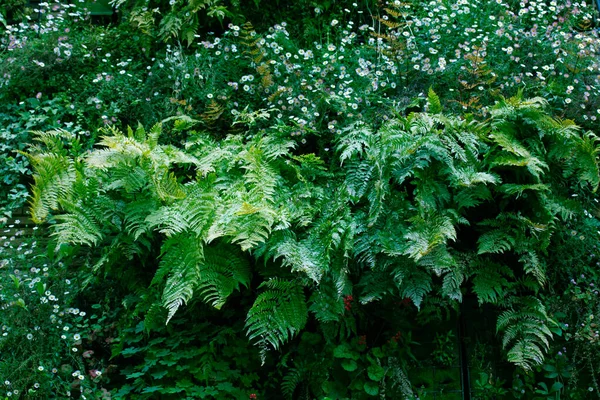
315 207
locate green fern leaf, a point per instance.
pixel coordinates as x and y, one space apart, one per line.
181 261
490 283
435 105
525 330
278 313
496 241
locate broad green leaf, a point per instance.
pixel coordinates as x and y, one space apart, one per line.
371 388
375 372
349 365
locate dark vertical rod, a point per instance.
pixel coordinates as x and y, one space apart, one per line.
465 378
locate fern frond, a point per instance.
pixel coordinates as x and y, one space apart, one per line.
326 302
452 283
290 382
77 226
181 260
519 189
304 256
525 330
413 283
375 285
221 272
155 317
533 265
426 233
354 140
358 178
490 282
167 187
435 105
53 176
585 159
496 241
278 313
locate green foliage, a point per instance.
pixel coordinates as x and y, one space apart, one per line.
401 214
435 106
199 360
314 201
176 20
488 387
445 348
16 124
526 332
278 313
49 348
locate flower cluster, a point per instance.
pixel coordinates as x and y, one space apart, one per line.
348 302
36 300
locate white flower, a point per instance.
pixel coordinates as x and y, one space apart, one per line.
40 368
76 336
334 22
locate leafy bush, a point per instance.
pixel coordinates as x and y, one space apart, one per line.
422 197
309 186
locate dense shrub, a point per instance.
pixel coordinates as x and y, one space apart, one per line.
316 197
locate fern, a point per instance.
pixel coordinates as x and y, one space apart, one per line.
423 207
490 282
291 381
222 272
53 180
212 272
305 256
326 302
526 332
426 233
278 313
375 285
78 226
181 261
451 285
496 241
435 106
413 284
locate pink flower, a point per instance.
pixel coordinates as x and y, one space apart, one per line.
87 353
39 95
94 373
